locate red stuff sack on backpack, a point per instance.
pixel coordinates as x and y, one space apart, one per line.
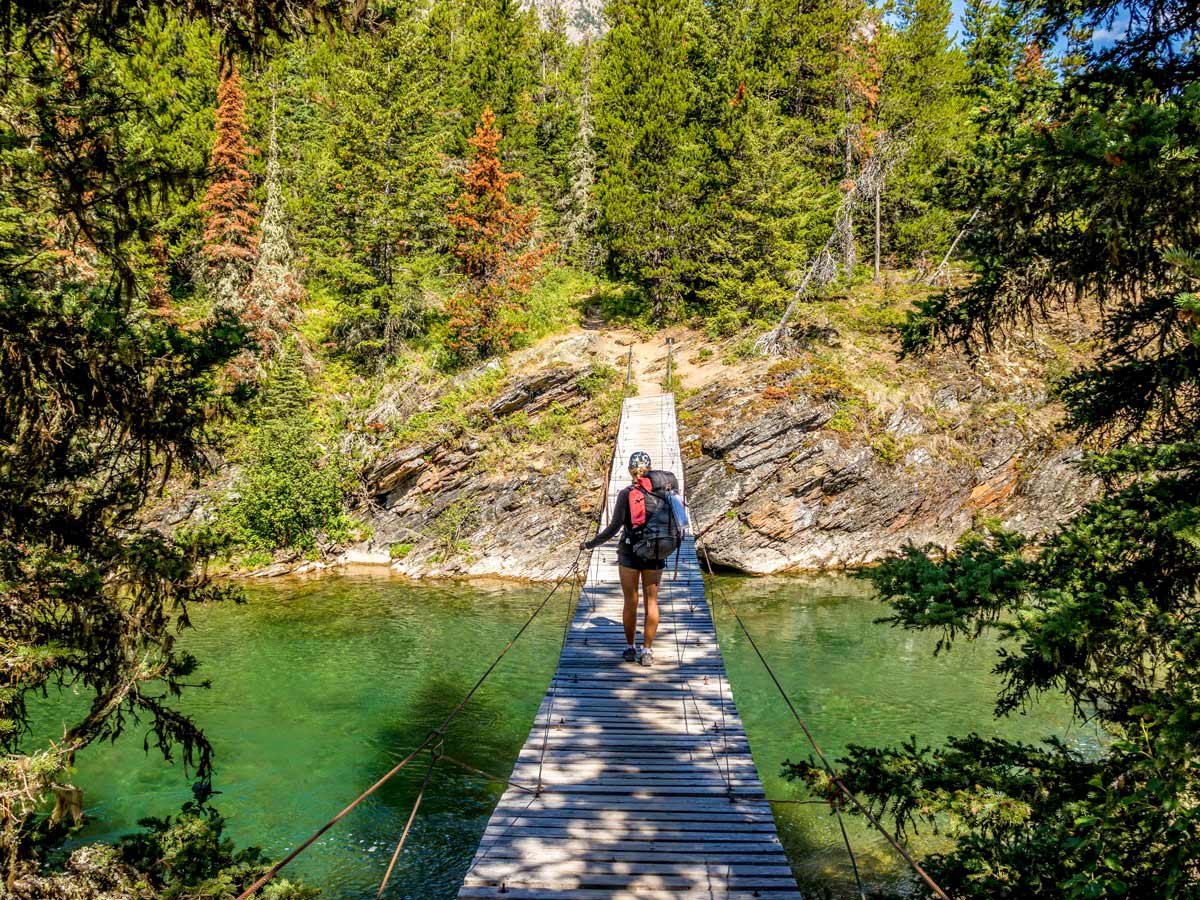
637 502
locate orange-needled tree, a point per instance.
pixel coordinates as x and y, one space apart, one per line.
229 209
495 246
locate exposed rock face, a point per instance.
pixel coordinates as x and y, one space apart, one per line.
775 481
489 504
791 465
780 493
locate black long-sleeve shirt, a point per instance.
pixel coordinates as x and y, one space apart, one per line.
620 517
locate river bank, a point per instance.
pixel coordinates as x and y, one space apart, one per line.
826 459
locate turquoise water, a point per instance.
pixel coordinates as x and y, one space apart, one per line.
320 686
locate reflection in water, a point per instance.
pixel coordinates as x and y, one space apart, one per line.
320 686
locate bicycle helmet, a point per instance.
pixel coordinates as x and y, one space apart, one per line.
639 460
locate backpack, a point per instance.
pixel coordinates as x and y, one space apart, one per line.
658 530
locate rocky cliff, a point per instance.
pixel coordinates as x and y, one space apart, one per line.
832 457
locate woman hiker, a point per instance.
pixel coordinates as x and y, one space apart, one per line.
633 568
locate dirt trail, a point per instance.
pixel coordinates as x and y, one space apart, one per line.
695 361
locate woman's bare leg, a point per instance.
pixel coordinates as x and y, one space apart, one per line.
650 580
629 589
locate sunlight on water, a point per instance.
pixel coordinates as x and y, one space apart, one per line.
320 686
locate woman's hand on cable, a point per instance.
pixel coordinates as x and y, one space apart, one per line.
583 545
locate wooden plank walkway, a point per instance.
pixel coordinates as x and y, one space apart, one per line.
648 787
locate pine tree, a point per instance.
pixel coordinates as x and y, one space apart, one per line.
1088 196
862 82
491 231
763 221
98 401
375 116
158 296
992 43
274 293
555 111
501 73
924 106
650 188
228 206
579 214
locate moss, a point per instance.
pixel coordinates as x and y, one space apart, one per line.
888 449
399 551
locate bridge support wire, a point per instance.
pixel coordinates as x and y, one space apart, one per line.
576 586
433 738
833 776
433 759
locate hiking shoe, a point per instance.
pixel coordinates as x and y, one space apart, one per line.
630 654
646 657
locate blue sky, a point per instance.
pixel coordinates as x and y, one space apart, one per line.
1103 36
956 7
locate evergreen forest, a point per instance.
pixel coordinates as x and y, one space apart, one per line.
216 215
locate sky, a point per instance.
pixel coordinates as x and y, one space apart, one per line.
1103 36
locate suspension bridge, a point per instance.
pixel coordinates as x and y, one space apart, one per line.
635 783
642 776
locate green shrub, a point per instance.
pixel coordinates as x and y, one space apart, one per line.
844 418
599 378
287 493
452 525
190 857
888 449
742 349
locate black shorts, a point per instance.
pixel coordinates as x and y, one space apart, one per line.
630 560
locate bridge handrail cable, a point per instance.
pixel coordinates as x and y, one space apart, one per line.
434 738
717 591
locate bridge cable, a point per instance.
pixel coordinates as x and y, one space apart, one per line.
833 776
726 775
508 781
711 581
575 585
691 692
433 759
849 851
433 737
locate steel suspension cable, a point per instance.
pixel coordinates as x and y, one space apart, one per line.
575 585
433 736
433 758
833 776
496 778
850 852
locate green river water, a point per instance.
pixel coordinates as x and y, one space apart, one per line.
319 686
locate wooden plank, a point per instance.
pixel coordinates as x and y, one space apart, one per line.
648 787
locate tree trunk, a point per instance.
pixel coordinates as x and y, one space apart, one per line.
878 241
953 244
848 258
769 342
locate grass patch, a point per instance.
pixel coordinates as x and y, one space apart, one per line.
555 303
454 411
